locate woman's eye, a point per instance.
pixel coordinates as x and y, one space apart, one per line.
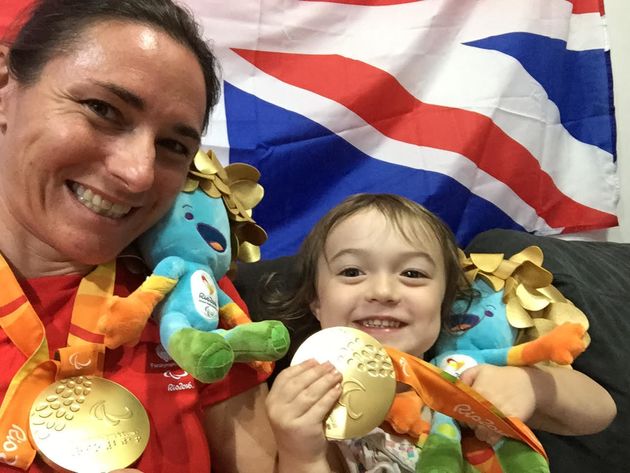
102 109
350 272
174 146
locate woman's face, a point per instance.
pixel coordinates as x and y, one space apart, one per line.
95 151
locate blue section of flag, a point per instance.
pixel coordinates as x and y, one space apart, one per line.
577 82
306 169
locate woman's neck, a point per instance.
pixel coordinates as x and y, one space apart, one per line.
27 262
29 257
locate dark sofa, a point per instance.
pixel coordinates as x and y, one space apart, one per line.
596 277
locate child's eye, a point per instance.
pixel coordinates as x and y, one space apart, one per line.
414 274
350 272
102 109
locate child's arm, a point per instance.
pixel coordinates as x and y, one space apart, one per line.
299 401
557 400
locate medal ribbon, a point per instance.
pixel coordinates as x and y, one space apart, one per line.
447 394
83 355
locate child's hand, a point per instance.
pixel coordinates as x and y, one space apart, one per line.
509 388
299 401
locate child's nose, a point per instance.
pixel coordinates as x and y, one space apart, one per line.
384 289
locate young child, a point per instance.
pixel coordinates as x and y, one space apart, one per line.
386 265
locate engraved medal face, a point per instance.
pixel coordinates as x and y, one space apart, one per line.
88 424
369 382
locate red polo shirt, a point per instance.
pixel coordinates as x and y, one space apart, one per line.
174 400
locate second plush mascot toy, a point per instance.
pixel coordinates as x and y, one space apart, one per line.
189 250
516 319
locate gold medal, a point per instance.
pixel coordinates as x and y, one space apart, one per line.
368 385
88 424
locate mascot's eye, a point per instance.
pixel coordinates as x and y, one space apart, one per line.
188 216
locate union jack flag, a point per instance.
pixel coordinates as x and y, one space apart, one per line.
491 113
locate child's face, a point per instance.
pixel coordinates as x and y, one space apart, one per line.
371 278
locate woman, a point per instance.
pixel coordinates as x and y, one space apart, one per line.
102 105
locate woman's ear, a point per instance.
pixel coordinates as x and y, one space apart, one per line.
4 65
4 81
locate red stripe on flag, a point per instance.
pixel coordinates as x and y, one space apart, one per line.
587 6
367 3
12 14
86 334
15 304
379 99
579 6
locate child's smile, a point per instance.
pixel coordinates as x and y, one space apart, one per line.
380 323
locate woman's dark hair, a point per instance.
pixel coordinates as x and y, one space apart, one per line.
53 27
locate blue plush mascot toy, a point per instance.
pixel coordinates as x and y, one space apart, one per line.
189 250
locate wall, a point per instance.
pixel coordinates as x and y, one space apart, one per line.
618 18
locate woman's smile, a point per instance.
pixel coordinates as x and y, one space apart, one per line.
97 203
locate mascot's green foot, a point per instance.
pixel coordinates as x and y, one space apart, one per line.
267 340
517 457
207 356
441 455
